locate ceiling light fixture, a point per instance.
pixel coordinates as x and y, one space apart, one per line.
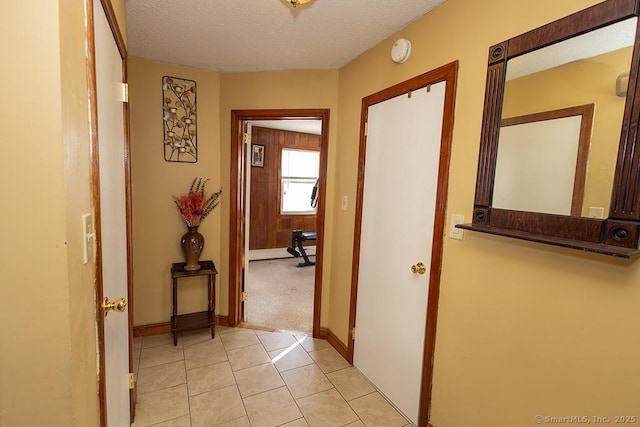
294 3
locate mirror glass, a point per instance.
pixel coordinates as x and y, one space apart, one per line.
528 178
538 166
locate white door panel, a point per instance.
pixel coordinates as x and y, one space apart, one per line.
247 218
400 185
113 224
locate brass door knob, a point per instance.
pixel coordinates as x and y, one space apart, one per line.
117 305
419 268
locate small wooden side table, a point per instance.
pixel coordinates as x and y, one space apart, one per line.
202 319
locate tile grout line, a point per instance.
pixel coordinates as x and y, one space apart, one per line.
287 386
235 379
281 378
308 352
233 372
377 390
186 378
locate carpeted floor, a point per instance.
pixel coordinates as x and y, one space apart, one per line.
280 295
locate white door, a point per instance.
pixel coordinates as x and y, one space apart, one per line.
113 223
398 211
247 217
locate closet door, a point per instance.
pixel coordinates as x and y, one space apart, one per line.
397 231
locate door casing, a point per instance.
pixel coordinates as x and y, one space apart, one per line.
237 232
447 73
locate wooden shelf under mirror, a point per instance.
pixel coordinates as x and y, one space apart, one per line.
599 248
551 68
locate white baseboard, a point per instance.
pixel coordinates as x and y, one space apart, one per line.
258 254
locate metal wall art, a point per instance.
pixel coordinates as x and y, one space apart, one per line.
179 120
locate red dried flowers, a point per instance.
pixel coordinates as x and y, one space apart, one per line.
196 205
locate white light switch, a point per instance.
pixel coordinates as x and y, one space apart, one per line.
88 237
456 233
345 203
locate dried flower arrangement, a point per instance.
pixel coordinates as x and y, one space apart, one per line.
196 205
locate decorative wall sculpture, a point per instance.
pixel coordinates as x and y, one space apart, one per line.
179 120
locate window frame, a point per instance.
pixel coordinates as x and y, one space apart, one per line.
282 178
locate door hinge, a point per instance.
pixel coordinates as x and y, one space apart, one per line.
246 138
132 381
366 128
124 94
245 296
353 334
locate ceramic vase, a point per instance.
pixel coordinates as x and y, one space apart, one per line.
192 243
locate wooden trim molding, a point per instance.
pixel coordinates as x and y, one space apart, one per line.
107 5
491 116
570 26
153 329
327 334
236 228
222 320
236 238
95 179
165 327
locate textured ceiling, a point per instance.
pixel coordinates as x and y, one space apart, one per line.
263 35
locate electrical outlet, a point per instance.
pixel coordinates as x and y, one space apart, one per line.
456 233
596 212
345 203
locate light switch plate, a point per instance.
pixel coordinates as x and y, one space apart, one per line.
88 237
456 233
345 203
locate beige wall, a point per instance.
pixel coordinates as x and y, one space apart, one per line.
78 200
280 90
48 356
523 329
157 225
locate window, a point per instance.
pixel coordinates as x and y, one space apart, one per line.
298 176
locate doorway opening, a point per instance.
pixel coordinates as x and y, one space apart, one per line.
278 162
280 206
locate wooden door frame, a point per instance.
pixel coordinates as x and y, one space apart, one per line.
447 73
95 181
236 228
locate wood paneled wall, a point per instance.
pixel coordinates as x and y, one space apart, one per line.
269 229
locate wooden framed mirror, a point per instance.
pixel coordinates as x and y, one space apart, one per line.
577 60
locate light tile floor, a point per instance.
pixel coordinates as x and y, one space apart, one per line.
252 378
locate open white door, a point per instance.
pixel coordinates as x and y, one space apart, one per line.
113 216
247 217
398 211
